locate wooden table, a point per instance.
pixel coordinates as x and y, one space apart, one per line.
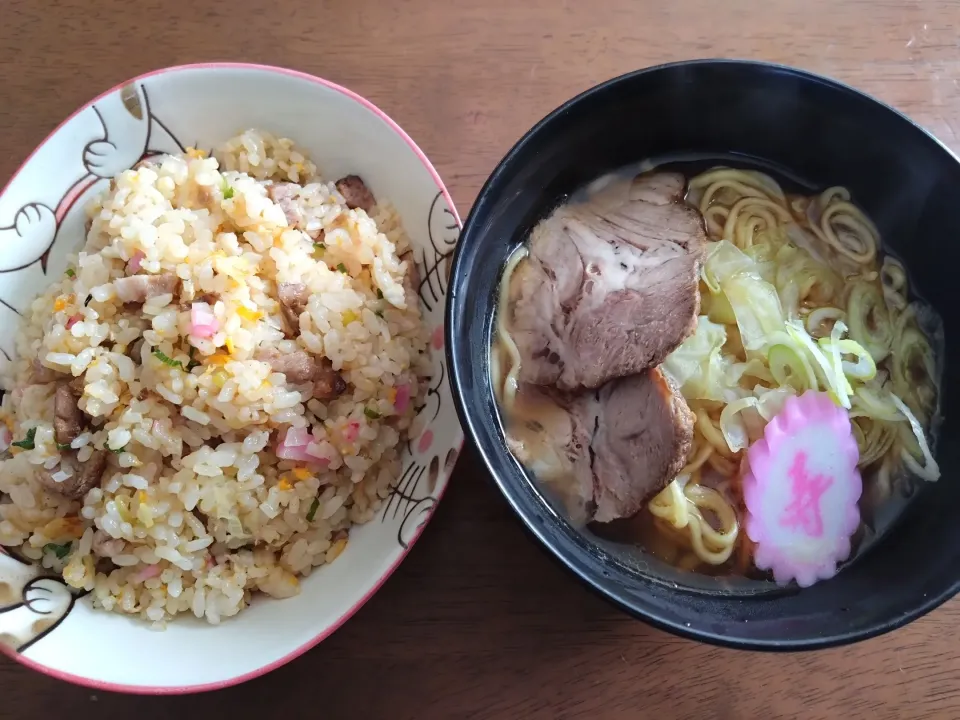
479 622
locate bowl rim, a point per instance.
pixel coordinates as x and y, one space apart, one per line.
609 590
333 627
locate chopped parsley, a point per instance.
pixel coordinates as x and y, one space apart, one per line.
116 451
372 414
71 273
63 446
341 267
61 551
227 190
312 513
27 443
162 357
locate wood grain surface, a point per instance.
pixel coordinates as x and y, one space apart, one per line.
478 622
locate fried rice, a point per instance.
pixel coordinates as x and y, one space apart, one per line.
228 466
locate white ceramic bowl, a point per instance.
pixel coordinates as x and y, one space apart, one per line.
44 625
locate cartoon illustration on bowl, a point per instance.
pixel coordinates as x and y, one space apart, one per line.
123 131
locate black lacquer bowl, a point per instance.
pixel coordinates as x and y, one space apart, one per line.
809 128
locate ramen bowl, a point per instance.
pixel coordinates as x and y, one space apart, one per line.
49 626
819 133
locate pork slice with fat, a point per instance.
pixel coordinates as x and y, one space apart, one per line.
607 451
293 299
301 367
610 287
83 476
140 288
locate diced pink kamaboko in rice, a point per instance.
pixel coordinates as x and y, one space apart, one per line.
402 401
150 571
203 323
352 431
296 444
134 265
293 445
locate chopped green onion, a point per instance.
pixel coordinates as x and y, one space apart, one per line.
372 414
63 446
312 513
790 367
27 443
162 357
61 551
71 273
227 190
319 246
341 267
115 451
379 294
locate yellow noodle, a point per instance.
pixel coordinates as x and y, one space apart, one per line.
836 209
713 224
739 187
746 230
714 555
849 216
745 182
496 371
699 458
681 505
834 193
670 504
705 498
509 384
711 433
763 208
683 509
667 529
725 467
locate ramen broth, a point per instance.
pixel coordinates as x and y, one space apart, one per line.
900 332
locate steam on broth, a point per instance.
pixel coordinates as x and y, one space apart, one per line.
795 294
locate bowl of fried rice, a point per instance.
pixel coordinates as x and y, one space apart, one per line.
225 415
